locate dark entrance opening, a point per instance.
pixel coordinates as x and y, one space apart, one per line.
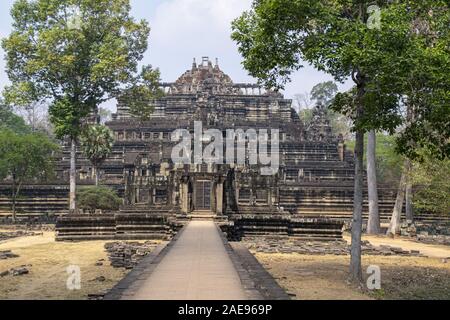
203 195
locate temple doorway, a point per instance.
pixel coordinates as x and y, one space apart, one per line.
203 195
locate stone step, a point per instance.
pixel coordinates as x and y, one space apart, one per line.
143 236
306 238
315 231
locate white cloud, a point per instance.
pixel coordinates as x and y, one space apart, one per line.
184 29
182 20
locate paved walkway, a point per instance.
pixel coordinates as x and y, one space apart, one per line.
197 267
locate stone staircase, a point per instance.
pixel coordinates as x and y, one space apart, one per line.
202 215
139 222
312 201
251 221
86 227
36 203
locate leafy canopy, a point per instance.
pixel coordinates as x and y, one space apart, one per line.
97 142
139 98
432 179
26 157
74 54
324 92
9 120
275 36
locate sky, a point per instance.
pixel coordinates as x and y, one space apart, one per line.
184 29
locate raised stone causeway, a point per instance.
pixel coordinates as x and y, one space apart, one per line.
198 264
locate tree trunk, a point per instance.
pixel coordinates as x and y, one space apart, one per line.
73 176
355 250
373 224
408 189
409 195
96 176
355 262
14 199
394 226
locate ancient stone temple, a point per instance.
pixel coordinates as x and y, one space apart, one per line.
142 170
313 181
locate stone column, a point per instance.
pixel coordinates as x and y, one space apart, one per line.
341 150
184 198
184 195
138 195
269 197
219 198
212 196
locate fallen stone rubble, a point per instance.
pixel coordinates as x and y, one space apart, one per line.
434 239
19 271
321 248
427 233
128 254
7 255
96 296
17 234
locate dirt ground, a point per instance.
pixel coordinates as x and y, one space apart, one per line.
429 250
47 262
324 277
309 277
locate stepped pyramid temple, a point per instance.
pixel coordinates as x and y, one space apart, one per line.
309 195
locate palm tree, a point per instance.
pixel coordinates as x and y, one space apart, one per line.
97 142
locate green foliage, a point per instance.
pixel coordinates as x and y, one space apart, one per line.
432 178
75 61
340 124
9 120
67 117
396 65
306 115
97 142
139 97
98 198
427 88
26 157
324 92
389 162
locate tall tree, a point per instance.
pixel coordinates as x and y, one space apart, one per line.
303 102
409 195
336 37
426 95
373 224
394 225
24 158
97 142
431 176
73 54
324 92
426 83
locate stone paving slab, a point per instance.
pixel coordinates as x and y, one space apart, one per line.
196 267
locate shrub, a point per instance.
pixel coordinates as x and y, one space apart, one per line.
98 198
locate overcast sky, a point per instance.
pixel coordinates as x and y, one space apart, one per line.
184 29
